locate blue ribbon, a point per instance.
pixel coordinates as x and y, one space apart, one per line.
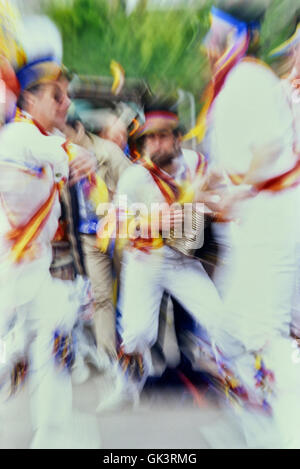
29 74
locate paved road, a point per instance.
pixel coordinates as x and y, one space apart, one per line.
166 418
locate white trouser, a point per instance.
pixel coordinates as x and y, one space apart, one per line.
296 299
295 326
144 278
260 280
54 308
260 274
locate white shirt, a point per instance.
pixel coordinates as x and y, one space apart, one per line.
291 87
252 124
139 191
22 194
137 184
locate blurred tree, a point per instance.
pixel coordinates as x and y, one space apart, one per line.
279 24
162 46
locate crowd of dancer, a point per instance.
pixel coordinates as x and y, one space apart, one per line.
132 217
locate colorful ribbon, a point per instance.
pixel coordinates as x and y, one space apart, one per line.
38 71
22 237
63 350
155 121
286 180
119 221
118 74
18 376
287 46
236 50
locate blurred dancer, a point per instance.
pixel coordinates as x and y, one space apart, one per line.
252 141
158 134
101 267
68 259
34 164
11 56
67 252
288 58
151 267
73 260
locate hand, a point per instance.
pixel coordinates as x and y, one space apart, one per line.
224 201
84 163
213 199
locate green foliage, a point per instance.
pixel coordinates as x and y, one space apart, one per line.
163 47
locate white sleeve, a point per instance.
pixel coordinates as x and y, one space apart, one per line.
191 158
49 150
129 184
252 123
21 142
293 94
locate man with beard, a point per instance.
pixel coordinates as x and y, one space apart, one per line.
150 266
162 132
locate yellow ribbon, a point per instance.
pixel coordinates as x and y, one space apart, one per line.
118 74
